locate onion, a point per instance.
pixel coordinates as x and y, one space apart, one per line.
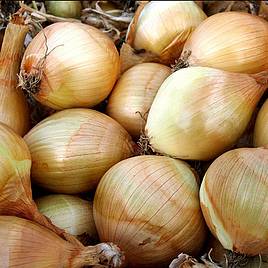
231 41
133 95
70 65
200 112
27 244
70 213
161 28
234 200
72 149
68 9
149 207
261 127
14 110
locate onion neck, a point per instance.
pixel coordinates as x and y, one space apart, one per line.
12 49
100 254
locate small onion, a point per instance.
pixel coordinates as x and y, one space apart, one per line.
70 213
26 244
234 200
70 65
68 9
133 95
161 28
200 112
73 148
231 41
261 127
149 207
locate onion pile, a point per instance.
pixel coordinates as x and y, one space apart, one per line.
69 9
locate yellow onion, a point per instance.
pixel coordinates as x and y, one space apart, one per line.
149 206
200 112
70 65
161 28
231 41
234 200
27 244
261 127
73 148
68 9
13 106
70 213
133 95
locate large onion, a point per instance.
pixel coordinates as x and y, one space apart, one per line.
231 41
234 200
134 93
26 244
70 65
161 29
200 112
261 126
149 206
73 148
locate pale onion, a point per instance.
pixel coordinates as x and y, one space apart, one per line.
234 200
68 9
70 213
200 112
15 185
133 95
70 65
161 28
13 106
27 244
261 126
73 148
149 207
231 41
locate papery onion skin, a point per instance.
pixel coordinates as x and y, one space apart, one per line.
80 65
261 127
133 95
163 27
68 9
231 41
200 112
27 244
14 110
149 206
71 213
234 200
73 148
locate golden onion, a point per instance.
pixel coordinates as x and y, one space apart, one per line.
149 207
234 200
161 28
261 127
70 213
73 148
231 41
70 65
200 112
27 244
133 94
